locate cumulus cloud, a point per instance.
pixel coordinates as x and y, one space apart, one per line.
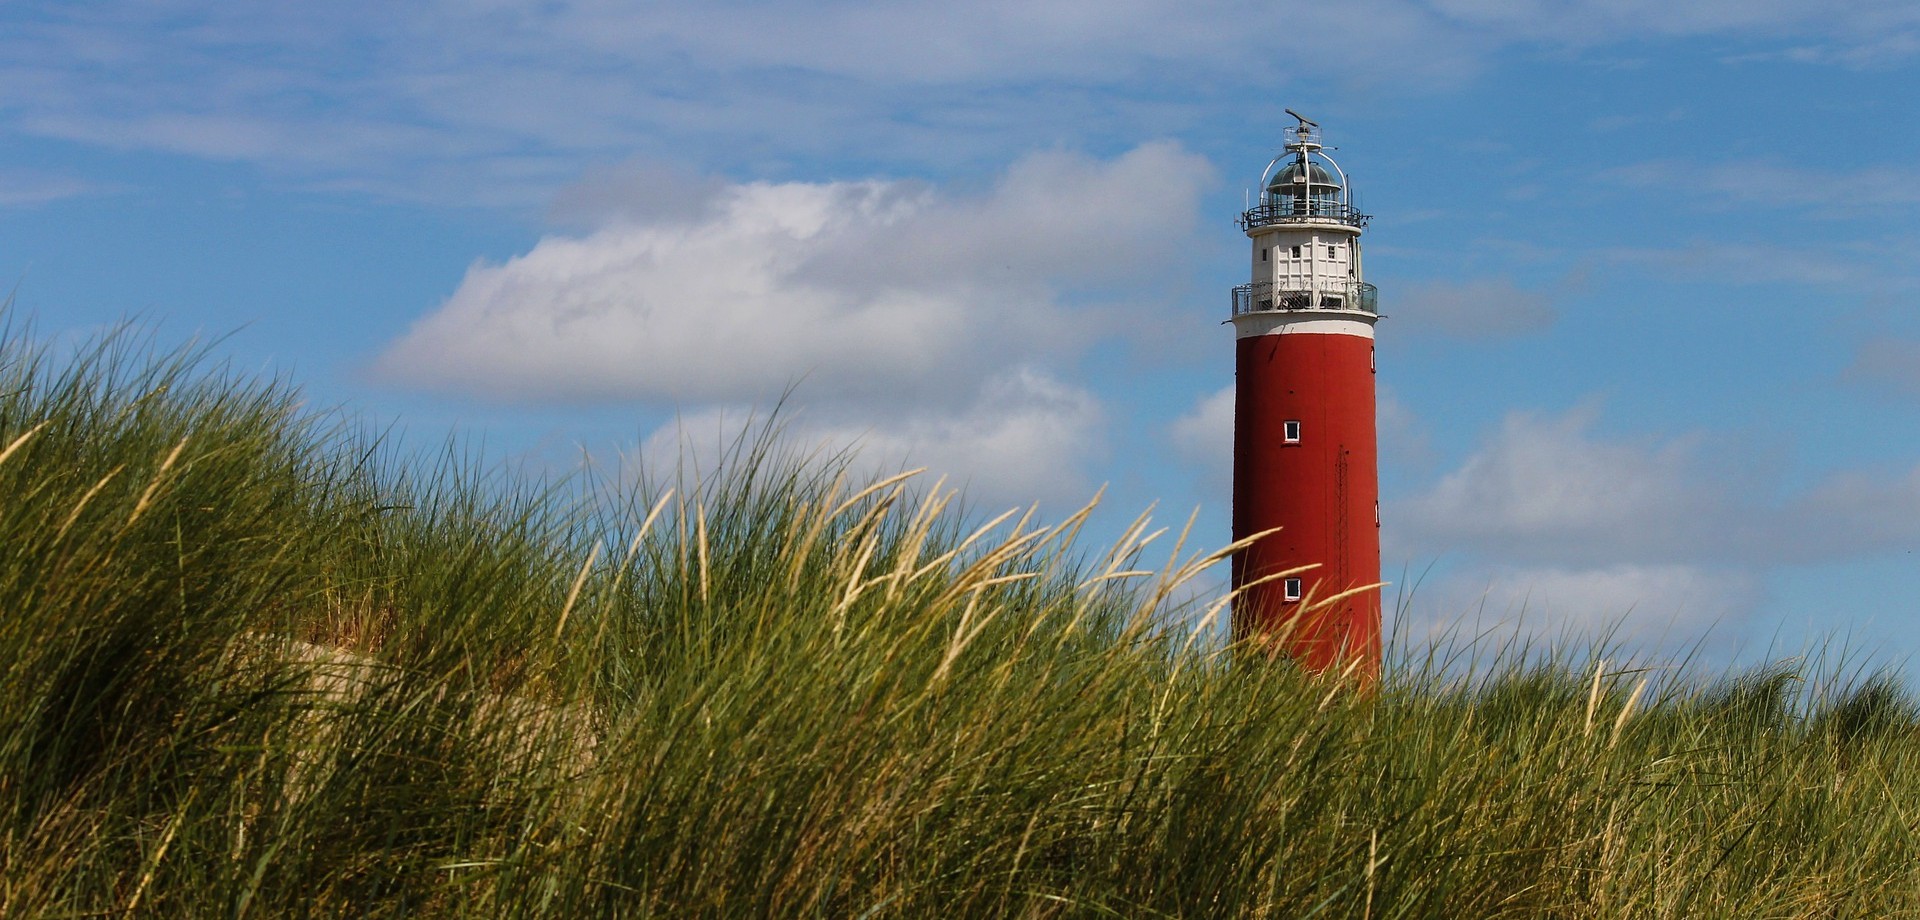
1545 488
1025 437
1547 499
1203 435
883 291
1547 491
1560 532
1637 604
906 322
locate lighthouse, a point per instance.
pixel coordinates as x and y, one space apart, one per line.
1305 453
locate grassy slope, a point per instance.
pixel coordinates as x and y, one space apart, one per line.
776 692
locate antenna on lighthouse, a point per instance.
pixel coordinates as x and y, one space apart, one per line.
1305 132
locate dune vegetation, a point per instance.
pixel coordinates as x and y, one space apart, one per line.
258 662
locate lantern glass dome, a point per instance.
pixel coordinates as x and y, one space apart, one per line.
1300 172
1302 184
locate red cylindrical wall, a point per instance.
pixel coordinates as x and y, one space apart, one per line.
1322 491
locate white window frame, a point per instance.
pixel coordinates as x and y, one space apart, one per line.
1290 431
1290 589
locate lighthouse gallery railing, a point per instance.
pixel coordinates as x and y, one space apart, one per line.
1287 209
1264 296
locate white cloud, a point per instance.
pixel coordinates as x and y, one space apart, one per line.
1640 605
1203 435
1547 492
1550 532
1544 488
1025 437
916 326
886 292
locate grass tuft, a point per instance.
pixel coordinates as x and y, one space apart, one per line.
259 663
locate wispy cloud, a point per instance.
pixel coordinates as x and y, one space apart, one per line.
396 97
1850 266
1821 190
24 189
1855 24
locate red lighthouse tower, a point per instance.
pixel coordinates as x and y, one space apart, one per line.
1305 454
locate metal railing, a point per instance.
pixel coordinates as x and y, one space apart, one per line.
1280 209
1264 296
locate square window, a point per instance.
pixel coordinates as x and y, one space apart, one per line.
1296 252
1290 589
1329 252
1290 432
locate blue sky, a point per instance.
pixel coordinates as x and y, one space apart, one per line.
1648 268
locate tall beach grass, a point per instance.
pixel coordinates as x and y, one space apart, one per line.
259 663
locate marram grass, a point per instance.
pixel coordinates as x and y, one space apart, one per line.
257 664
